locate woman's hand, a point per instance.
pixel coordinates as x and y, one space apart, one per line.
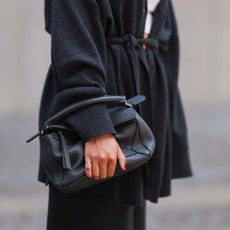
103 151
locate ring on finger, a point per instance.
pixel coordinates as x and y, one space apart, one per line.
89 162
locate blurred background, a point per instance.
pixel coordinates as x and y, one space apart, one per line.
201 202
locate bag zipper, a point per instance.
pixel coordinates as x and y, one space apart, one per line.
43 131
46 129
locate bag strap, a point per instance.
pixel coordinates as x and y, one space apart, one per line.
107 99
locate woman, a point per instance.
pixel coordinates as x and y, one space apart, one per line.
97 48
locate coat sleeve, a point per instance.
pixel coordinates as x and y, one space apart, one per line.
78 51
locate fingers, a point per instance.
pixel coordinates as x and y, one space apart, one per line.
95 170
103 153
102 166
88 167
92 168
121 159
96 166
107 165
111 166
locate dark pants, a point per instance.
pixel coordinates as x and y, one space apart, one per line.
69 212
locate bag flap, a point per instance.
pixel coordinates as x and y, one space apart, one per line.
121 114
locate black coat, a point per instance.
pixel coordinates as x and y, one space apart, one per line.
85 64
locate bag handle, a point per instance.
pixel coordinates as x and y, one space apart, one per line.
108 99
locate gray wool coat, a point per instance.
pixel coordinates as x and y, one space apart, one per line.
84 64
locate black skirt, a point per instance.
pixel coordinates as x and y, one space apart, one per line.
77 211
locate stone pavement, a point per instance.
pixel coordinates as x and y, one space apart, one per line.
201 202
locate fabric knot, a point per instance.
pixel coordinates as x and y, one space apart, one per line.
130 40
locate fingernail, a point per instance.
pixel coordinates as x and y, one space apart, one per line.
124 166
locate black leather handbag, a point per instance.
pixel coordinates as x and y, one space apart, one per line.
62 151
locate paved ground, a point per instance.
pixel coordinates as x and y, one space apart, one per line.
201 202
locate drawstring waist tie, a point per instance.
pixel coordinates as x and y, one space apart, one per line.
136 54
129 40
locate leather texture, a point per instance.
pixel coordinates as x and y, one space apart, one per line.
62 151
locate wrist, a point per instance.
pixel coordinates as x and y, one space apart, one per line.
103 135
